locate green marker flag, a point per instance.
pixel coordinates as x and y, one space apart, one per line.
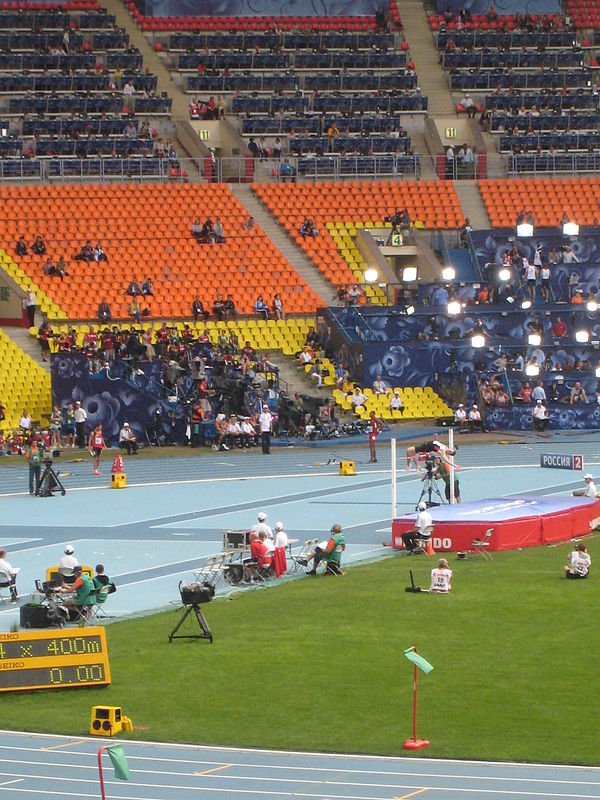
119 762
418 660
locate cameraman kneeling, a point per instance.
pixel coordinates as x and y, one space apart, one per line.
418 533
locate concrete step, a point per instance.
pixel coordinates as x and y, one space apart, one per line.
287 247
430 74
25 341
470 199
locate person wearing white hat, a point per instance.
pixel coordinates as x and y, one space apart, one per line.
420 532
460 418
440 578
127 440
261 526
281 543
68 562
540 416
590 489
475 420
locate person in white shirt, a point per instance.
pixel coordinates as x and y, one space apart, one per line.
129 89
419 532
248 433
440 578
590 487
396 403
261 526
540 416
475 420
127 440
8 574
265 422
469 105
579 563
25 421
531 275
68 562
357 399
379 386
281 543
234 432
281 537
460 418
80 419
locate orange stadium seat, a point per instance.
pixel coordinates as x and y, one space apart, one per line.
146 232
547 198
362 204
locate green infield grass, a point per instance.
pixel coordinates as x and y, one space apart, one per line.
318 664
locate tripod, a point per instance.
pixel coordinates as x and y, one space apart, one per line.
49 482
206 634
430 488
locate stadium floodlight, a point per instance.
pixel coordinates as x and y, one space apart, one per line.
478 340
591 305
532 370
371 275
448 273
582 336
525 230
454 307
570 229
526 304
410 310
409 274
504 274
534 339
598 372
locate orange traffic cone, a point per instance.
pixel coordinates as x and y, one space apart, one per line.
430 551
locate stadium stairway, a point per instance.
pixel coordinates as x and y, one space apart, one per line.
286 246
472 204
23 339
432 80
23 385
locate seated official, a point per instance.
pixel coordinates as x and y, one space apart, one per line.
460 418
589 490
419 533
329 551
440 578
579 563
82 590
8 576
127 440
475 421
251 564
101 580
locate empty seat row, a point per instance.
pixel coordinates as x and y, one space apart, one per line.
288 40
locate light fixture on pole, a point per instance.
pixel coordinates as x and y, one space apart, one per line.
478 340
591 305
454 307
534 339
524 230
582 336
526 304
570 229
371 275
504 274
532 370
410 310
448 273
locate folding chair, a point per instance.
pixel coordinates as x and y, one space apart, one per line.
96 609
4 584
422 542
479 546
299 559
206 570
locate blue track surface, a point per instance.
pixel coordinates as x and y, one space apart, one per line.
38 767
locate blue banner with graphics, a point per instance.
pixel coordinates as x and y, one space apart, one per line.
262 8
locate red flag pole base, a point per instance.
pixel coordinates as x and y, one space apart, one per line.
416 744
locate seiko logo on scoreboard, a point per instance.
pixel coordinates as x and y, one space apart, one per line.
561 461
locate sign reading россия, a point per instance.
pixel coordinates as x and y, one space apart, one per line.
561 461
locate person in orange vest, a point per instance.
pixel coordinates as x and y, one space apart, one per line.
96 444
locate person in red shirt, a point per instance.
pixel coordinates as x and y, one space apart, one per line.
559 328
251 564
375 428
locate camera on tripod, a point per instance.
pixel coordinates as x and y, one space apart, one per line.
48 461
429 465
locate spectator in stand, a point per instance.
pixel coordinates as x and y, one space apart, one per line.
260 307
249 224
578 395
278 309
353 295
569 256
539 393
29 304
487 393
135 310
133 289
218 231
287 171
396 403
357 399
253 147
230 309
198 310
501 399
104 313
379 386
524 394
308 229
21 247
99 254
38 246
85 254
545 275
540 416
148 288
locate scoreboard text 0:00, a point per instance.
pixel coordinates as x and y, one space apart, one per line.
53 659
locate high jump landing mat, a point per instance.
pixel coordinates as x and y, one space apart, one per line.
514 522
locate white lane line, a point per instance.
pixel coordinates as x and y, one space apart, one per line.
7 783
